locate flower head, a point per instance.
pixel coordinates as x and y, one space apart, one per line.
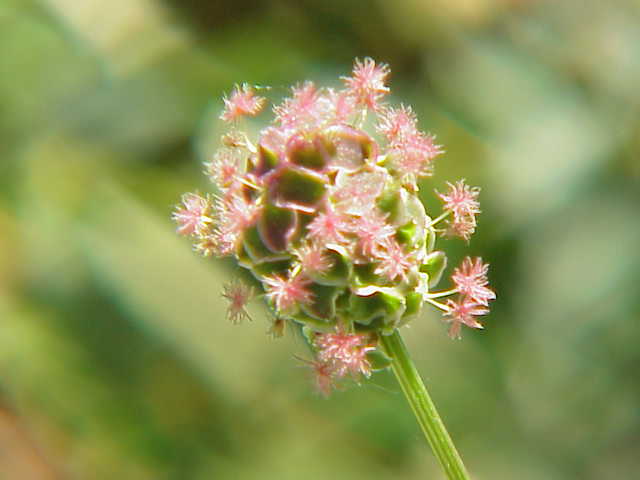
395 262
224 169
328 226
372 232
462 227
238 295
463 312
313 258
412 154
234 214
461 199
327 216
367 83
397 124
243 101
303 110
288 292
471 281
193 216
345 352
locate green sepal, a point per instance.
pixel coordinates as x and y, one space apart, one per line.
406 234
275 226
413 301
244 260
313 324
340 271
268 269
390 203
267 160
297 235
309 335
306 153
297 189
363 275
254 246
434 266
378 360
383 305
323 306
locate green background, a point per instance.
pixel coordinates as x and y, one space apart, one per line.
116 360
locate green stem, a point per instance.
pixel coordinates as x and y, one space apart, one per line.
423 407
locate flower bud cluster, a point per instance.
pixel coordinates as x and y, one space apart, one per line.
326 216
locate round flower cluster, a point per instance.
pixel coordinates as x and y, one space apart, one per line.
327 218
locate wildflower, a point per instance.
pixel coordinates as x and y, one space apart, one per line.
234 214
287 293
323 375
461 199
328 227
471 281
343 105
345 352
372 231
224 169
464 312
193 216
397 123
211 245
328 218
238 295
243 101
394 261
366 83
313 258
412 155
301 110
462 227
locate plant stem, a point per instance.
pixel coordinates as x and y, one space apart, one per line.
423 407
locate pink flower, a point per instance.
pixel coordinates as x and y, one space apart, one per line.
224 169
234 213
313 258
211 244
323 376
471 281
397 123
366 83
462 227
345 352
394 261
287 293
372 231
343 105
463 312
461 199
193 216
412 155
301 110
242 102
238 294
328 227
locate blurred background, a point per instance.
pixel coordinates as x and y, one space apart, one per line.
116 360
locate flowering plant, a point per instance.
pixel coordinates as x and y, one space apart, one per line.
327 218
